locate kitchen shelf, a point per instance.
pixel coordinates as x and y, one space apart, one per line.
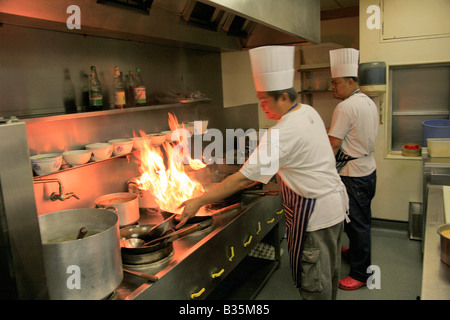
80 115
314 91
312 67
307 72
246 280
37 178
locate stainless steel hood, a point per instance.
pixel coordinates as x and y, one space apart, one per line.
217 25
253 22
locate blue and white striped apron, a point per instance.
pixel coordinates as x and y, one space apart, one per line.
298 210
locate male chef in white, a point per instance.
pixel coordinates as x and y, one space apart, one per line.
353 130
314 198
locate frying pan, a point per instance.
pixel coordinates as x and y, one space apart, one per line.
168 237
203 221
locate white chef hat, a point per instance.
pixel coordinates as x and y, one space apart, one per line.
272 67
344 62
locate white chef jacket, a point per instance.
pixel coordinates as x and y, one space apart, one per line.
299 149
355 122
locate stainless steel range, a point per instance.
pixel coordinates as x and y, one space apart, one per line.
194 266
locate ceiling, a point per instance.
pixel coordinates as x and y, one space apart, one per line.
335 9
337 4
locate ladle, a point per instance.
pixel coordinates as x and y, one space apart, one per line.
82 233
149 277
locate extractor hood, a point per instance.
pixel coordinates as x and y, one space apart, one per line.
217 25
254 22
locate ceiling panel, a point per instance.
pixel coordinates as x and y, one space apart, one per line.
337 4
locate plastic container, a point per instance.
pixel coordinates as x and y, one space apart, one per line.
372 73
436 128
439 147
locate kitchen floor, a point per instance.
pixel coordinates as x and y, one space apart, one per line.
399 259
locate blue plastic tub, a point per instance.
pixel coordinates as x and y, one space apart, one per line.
437 128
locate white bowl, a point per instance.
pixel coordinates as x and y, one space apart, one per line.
200 126
46 163
168 135
157 138
77 157
139 142
121 146
188 126
100 150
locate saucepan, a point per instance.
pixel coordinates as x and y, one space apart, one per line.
127 205
444 233
146 197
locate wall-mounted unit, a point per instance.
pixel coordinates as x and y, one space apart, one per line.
372 78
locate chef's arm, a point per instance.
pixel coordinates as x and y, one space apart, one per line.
226 188
335 143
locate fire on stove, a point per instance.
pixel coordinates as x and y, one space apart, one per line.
163 173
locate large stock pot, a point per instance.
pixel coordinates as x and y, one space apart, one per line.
89 268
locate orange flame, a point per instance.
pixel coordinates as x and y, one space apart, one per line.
168 182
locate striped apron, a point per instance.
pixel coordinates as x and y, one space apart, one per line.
297 213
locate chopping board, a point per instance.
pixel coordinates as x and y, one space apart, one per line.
446 193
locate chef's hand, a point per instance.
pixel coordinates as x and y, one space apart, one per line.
191 207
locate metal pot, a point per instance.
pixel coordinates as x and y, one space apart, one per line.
146 197
127 205
445 243
81 269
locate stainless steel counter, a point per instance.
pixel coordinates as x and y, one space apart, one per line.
435 273
200 262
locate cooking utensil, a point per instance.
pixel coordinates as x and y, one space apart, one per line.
146 197
149 277
273 192
444 233
127 205
160 229
95 260
83 231
155 251
171 236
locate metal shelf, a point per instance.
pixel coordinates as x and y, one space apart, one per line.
79 115
37 178
313 67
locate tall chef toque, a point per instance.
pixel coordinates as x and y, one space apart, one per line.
272 67
344 62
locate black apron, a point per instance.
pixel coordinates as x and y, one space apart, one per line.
341 158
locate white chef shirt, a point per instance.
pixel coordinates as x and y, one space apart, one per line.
299 149
355 122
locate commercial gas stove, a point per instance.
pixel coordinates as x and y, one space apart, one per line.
201 261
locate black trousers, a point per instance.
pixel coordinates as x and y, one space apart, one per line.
361 191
